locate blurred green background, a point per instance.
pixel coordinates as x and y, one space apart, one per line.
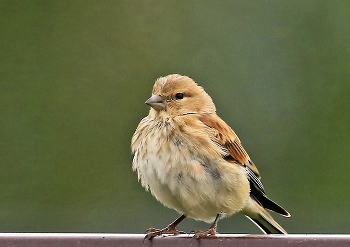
74 76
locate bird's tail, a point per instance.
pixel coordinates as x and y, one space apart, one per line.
259 216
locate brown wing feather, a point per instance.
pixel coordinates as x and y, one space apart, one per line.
228 139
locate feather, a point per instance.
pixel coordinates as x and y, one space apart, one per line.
227 138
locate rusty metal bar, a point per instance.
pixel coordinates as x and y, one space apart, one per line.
135 240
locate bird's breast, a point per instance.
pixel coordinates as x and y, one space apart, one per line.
164 156
183 177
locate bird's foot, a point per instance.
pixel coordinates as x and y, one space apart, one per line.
209 233
153 232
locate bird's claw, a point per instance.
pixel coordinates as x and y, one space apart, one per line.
153 232
209 233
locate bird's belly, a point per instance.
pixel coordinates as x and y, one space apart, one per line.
194 185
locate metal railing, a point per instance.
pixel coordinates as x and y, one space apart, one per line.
135 240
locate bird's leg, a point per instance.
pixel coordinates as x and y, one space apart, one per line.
170 229
210 232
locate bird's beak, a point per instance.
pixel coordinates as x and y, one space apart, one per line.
156 102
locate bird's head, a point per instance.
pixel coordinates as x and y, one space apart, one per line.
179 95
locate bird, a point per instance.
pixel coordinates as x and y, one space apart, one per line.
193 162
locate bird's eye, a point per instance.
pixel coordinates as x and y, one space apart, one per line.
179 96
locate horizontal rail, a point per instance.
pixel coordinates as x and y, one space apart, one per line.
135 240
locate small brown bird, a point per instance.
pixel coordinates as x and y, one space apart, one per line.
193 162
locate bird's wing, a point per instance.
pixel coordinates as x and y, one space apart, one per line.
224 136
